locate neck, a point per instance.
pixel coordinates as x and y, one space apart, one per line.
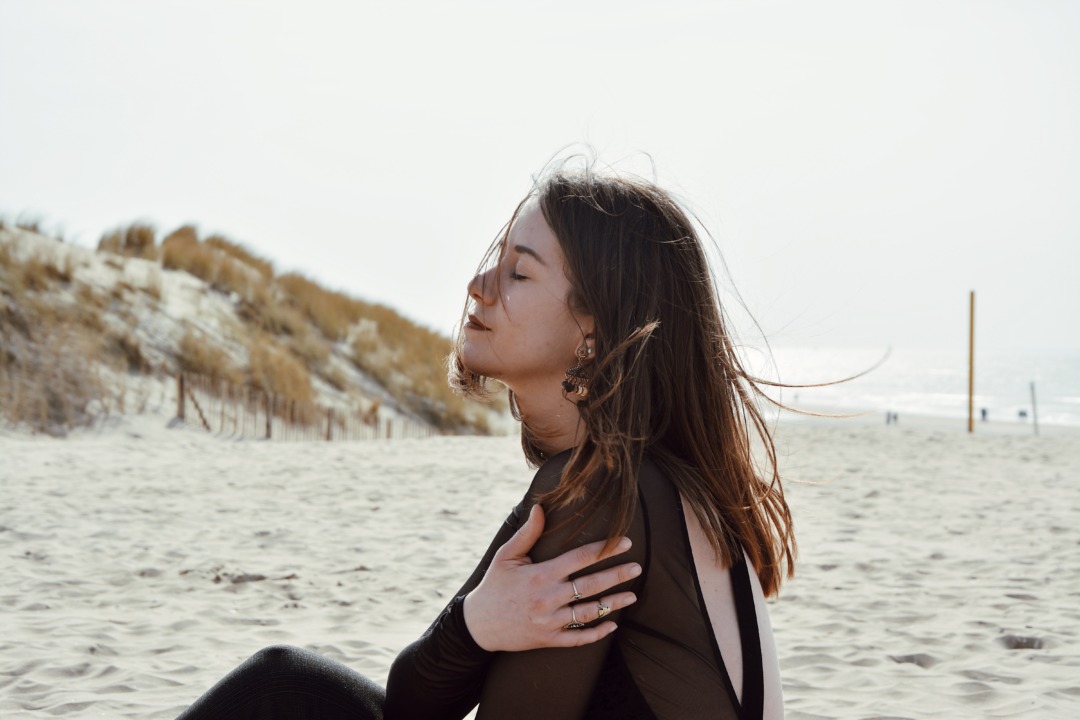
552 419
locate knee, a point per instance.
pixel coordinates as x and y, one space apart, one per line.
278 657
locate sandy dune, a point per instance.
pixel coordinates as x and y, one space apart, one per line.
939 573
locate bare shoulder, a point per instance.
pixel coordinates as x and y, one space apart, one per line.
718 594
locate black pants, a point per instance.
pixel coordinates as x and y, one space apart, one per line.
287 682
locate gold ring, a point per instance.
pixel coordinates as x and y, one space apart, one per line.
573 624
602 609
577 595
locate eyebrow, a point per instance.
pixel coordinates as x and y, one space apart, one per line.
525 250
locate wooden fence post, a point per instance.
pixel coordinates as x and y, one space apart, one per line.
298 421
1034 408
971 363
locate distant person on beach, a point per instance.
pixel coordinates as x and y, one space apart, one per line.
630 582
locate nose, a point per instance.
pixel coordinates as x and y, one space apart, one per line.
482 287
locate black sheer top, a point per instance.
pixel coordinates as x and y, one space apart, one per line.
662 663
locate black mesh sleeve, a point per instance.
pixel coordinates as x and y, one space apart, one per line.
557 682
440 675
443 674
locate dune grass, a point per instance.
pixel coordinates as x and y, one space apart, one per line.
333 313
241 254
292 327
273 369
196 354
54 349
138 240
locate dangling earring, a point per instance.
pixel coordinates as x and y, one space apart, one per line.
577 380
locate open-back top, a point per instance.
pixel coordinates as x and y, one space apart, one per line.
662 663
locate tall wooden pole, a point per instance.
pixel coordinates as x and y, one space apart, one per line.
971 366
1034 409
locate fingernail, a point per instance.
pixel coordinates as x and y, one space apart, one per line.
625 544
635 570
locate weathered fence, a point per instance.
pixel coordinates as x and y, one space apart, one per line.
245 411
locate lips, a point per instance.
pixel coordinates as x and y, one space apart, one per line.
473 324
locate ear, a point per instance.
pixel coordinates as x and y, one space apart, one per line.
587 327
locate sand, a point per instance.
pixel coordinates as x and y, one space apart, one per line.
939 573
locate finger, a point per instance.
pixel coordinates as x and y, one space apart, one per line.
575 638
521 542
582 557
603 580
589 610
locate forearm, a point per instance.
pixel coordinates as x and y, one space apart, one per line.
439 676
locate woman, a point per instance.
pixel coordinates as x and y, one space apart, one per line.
630 581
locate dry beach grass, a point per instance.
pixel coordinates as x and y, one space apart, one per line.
938 575
203 305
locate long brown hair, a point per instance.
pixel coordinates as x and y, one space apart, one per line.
667 381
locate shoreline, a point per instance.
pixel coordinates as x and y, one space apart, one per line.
921 421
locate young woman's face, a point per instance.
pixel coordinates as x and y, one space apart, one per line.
520 328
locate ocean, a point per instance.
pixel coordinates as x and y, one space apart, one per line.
929 382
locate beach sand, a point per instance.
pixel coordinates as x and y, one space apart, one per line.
939 574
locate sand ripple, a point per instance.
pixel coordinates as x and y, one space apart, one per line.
938 575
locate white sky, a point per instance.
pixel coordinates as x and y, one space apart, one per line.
863 165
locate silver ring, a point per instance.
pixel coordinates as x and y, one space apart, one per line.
577 595
573 624
602 609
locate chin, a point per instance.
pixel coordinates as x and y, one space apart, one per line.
475 361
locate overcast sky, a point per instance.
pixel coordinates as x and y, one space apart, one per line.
862 165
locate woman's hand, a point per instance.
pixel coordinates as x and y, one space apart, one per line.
522 605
